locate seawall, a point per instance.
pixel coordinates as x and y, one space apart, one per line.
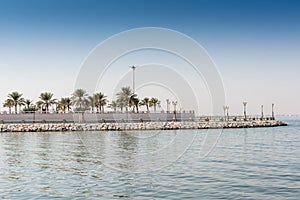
45 127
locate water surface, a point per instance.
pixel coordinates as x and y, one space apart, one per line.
257 163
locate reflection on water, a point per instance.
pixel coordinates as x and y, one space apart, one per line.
260 163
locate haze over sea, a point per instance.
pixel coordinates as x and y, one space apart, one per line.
257 163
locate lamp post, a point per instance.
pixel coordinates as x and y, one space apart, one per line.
133 78
245 104
227 108
174 104
273 117
226 116
262 112
168 105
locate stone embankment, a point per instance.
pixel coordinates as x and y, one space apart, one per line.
43 127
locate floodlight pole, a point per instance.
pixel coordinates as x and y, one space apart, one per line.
133 78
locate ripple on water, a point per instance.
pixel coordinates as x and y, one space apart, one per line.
245 164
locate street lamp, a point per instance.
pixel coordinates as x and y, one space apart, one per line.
227 108
174 104
224 108
245 104
133 77
273 117
168 105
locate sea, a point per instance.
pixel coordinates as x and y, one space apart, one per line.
252 163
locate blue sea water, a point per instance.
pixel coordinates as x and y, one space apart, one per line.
256 163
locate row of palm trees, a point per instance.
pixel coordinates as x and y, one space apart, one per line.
81 101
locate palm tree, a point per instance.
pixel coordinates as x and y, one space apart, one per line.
123 97
27 103
100 101
91 102
28 106
153 102
39 104
80 99
17 100
66 104
145 102
134 101
9 103
113 105
46 100
120 104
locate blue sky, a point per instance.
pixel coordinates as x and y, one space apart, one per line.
255 44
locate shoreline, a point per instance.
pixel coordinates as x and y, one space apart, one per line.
70 127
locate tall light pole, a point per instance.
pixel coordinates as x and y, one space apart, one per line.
224 109
245 104
273 117
227 108
226 115
168 105
133 78
174 104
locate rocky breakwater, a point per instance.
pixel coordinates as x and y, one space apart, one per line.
22 127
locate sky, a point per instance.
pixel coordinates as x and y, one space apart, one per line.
255 46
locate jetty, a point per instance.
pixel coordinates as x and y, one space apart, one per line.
200 123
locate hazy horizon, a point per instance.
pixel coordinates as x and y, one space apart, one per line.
254 44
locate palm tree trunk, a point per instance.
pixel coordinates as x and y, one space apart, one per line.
9 110
16 108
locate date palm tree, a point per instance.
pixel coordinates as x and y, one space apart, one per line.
113 105
145 102
120 104
80 99
9 103
17 100
47 100
28 103
154 102
100 101
134 101
65 103
91 102
28 106
39 104
123 97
